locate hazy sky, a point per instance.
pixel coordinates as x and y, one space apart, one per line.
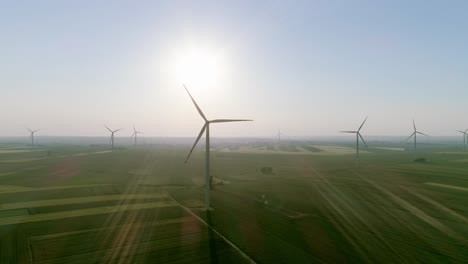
306 67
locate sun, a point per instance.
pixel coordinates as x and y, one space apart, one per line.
198 67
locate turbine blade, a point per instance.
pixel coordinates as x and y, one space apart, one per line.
108 129
414 125
362 139
421 133
134 128
117 130
348 131
228 120
35 130
363 123
133 134
29 130
196 141
410 136
195 103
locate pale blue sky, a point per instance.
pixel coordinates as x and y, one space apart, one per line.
307 67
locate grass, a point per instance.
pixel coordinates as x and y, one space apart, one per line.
317 206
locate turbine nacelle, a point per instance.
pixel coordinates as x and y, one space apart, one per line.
207 123
416 132
32 131
358 132
113 131
135 132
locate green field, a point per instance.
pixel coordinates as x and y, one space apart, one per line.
83 204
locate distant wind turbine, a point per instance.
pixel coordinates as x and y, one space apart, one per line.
32 135
112 135
414 134
279 135
135 134
358 135
206 127
465 135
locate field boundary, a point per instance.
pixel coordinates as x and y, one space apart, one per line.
242 253
453 187
82 212
38 189
78 200
128 225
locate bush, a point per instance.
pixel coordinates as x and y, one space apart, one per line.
421 160
267 170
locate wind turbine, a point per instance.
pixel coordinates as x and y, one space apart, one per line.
206 127
465 134
32 135
279 135
414 134
135 134
112 135
358 135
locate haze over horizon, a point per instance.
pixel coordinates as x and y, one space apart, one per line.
310 68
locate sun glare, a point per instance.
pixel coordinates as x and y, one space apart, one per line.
200 67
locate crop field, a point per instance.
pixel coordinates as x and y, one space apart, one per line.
314 204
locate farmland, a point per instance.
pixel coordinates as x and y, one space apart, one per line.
85 204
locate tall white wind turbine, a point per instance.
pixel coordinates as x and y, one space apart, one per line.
358 135
415 133
32 135
112 135
279 135
135 134
206 128
465 135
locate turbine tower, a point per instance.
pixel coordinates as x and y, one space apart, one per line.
112 135
358 135
414 134
206 127
135 134
32 135
465 135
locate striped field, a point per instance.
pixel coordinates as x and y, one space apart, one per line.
315 205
